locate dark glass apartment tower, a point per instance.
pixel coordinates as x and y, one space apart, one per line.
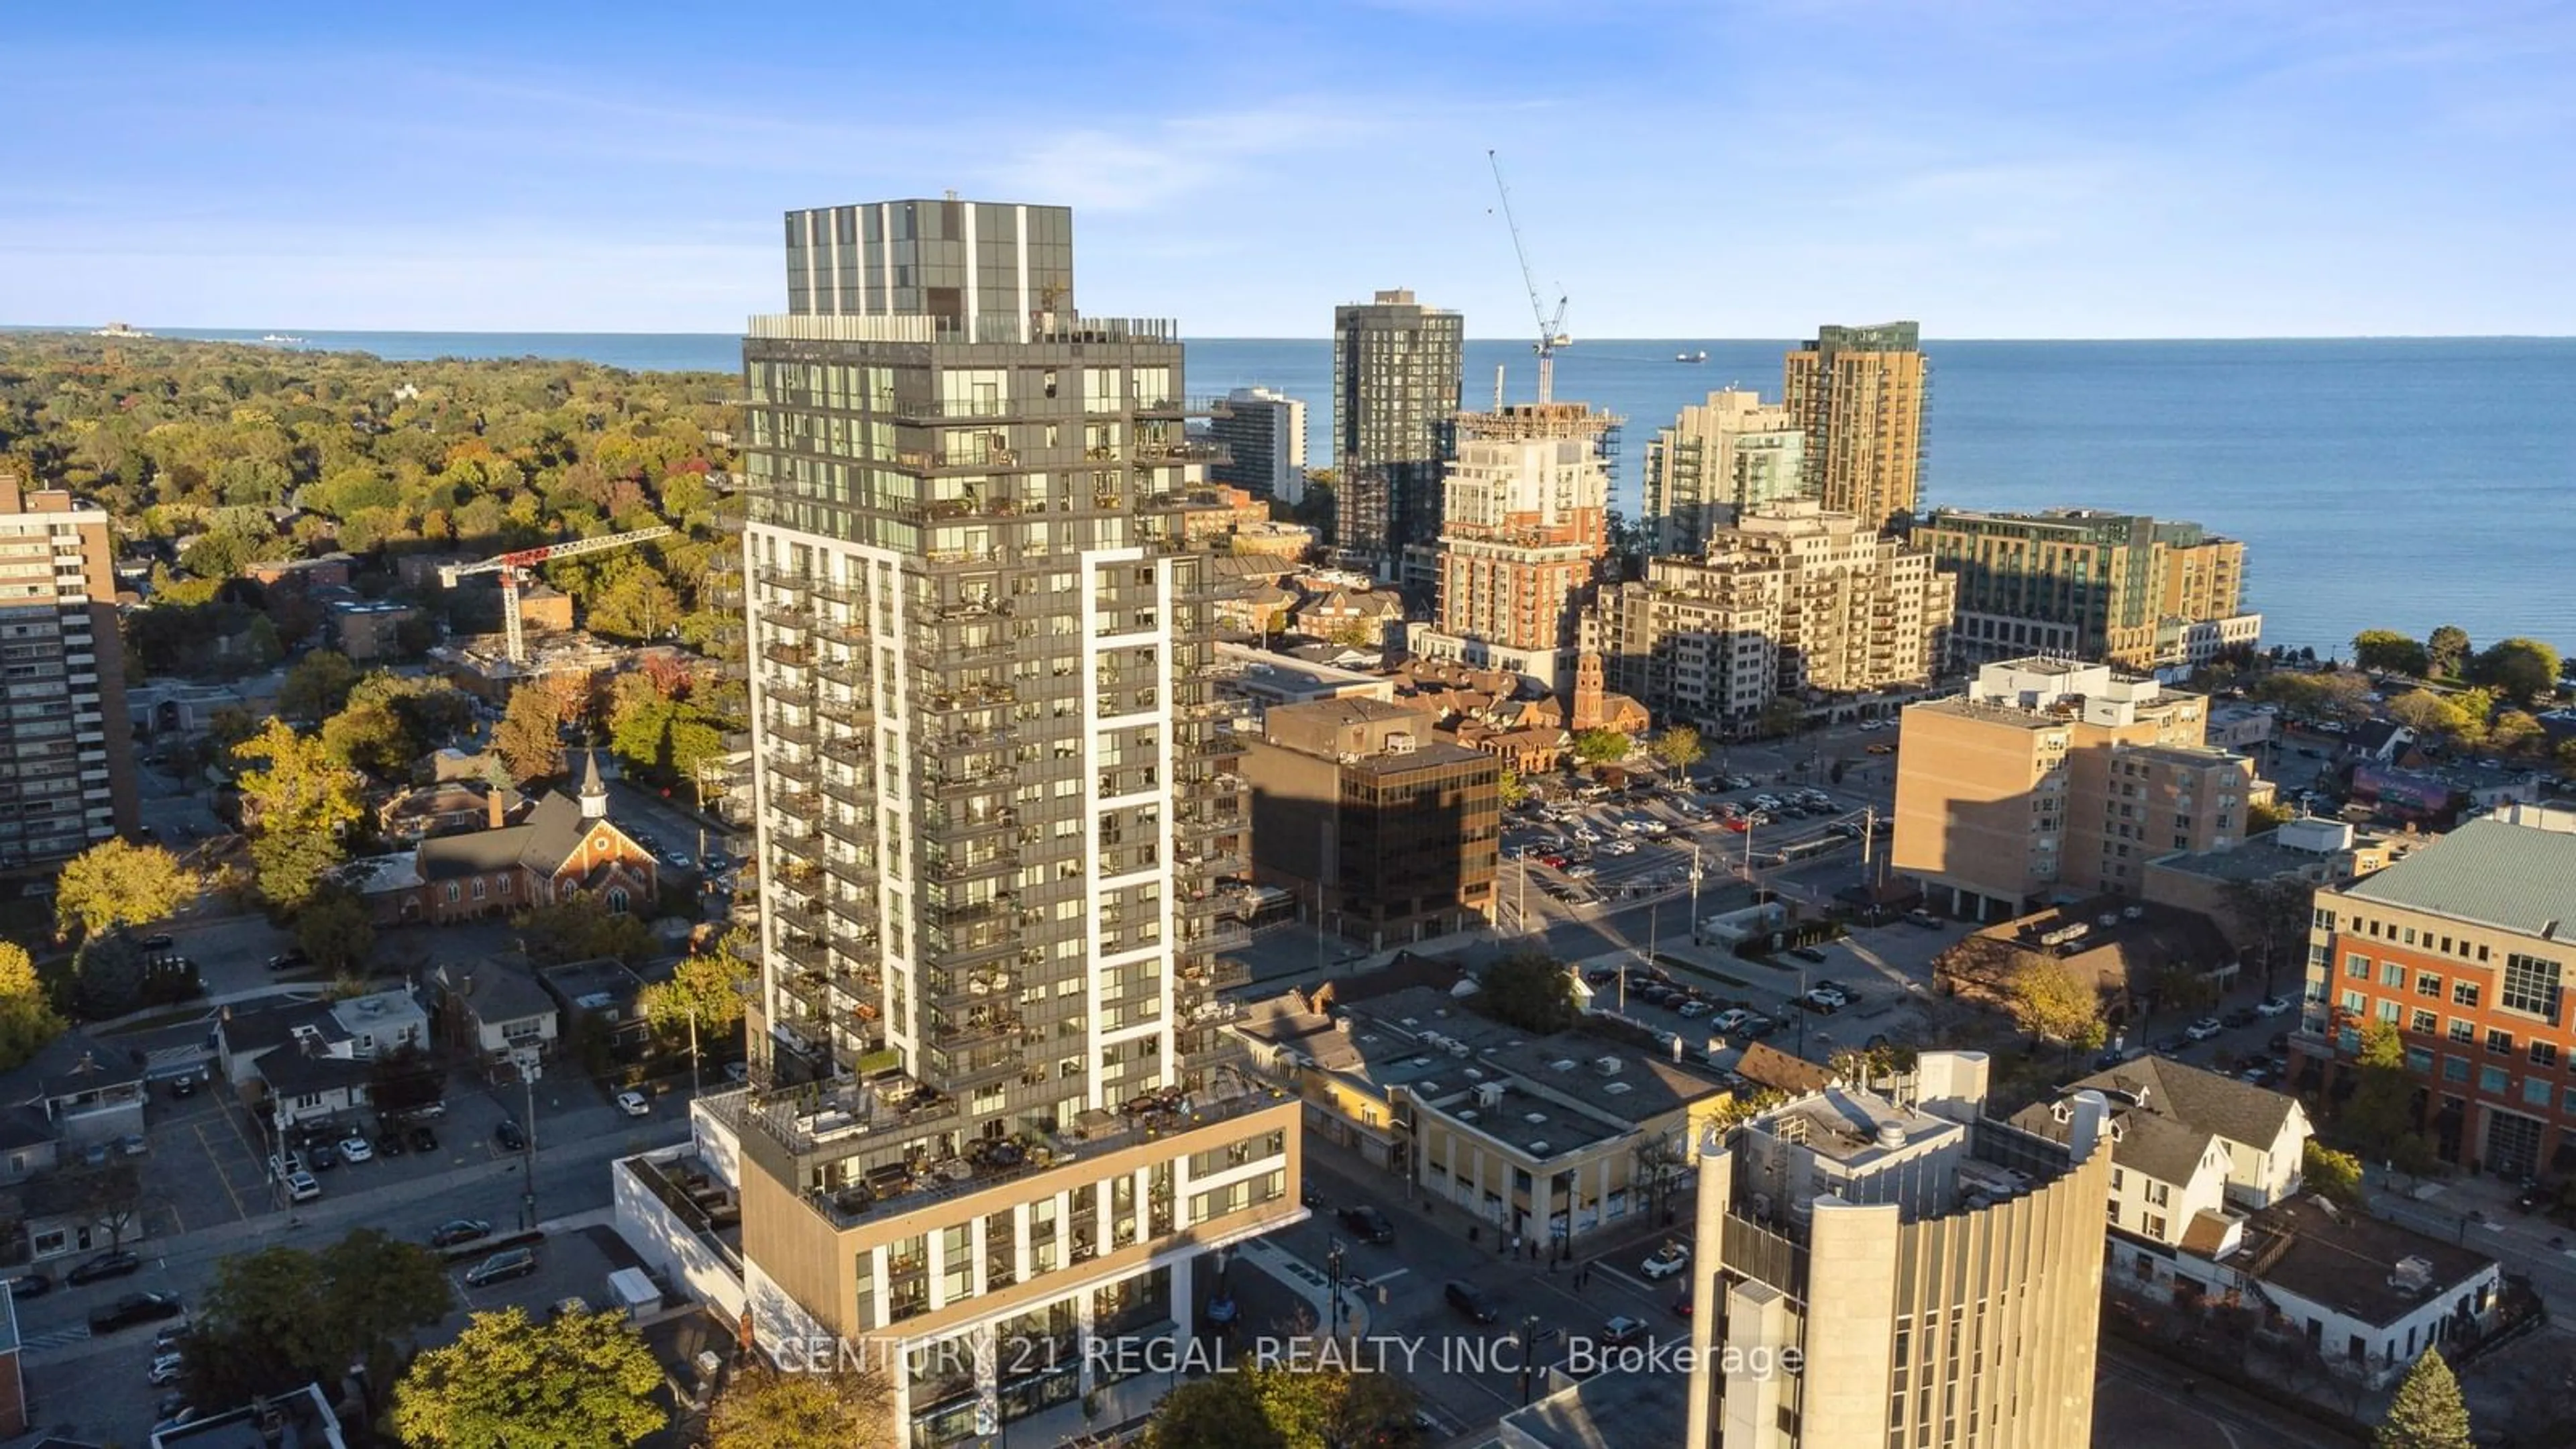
993 1094
1396 369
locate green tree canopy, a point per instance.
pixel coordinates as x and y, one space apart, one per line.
2521 670
2427 1411
2428 714
1678 746
2049 1001
1510 788
1601 747
2446 651
765 1409
296 807
336 928
116 883
706 987
107 976
2386 651
317 686
582 929
1530 990
1781 716
1278 1407
529 738
2335 1174
582 1381
2379 1119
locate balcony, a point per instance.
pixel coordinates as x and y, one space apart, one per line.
987 695
966 782
965 913
849 713
856 873
858 833
951 824
776 727
966 988
978 1028
985 949
972 866
854 792
807 848
804 954
796 912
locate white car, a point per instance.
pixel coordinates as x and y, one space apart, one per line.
1671 1258
1619 847
2272 1006
1730 1019
633 1104
301 1187
357 1149
166 1369
291 1165
2203 1029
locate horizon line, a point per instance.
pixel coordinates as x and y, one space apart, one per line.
82 329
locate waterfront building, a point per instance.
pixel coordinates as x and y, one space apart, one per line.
1396 374
1938 1271
2465 947
2050 778
1789 598
993 1115
1387 834
1717 461
1264 436
2125 589
1525 527
1858 393
67 745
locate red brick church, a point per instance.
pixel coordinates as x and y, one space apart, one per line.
566 847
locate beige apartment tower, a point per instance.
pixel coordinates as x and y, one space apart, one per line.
1525 525
66 748
1938 1272
2051 777
1719 459
1858 394
2125 589
1792 597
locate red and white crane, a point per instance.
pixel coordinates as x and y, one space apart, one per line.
513 568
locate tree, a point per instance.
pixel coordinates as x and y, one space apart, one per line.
1678 747
108 1198
405 1079
1530 990
283 1317
107 976
317 686
115 883
2272 915
1510 789
2521 670
582 1381
581 929
2446 652
1600 747
2051 1003
529 738
634 602
336 928
1279 1407
2379 1117
296 809
2427 713
27 1016
705 988
2263 815
764 1409
1782 716
2516 731
1219 1409
2427 1411
2385 651
2335 1174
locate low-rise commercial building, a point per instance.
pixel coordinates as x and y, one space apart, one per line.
1387 834
2308 850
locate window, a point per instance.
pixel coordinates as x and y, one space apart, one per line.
2428 984
2455 1069
2531 984
2535 1091
2500 1042
2425 1022
2354 1003
2491 1079
2388 1011
617 900
2392 974
2357 966
2419 1061
2464 993
2154 1224
453 894
479 887
2463 1030
2544 1054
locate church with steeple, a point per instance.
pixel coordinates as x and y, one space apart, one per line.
565 848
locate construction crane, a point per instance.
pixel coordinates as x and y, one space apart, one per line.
1551 330
513 568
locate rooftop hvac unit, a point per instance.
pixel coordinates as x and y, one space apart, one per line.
2108 918
1533 1118
2133 912
1467 1115
1489 1094
1538 1149
1474 1075
1458 1049
1399 744
1617 1089
1607 1066
1561 1064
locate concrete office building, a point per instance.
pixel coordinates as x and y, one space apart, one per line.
1938 1272
1790 598
1526 526
2466 947
66 744
2124 589
2055 780
1858 394
1718 460
1387 834
1264 436
1396 371
993 1111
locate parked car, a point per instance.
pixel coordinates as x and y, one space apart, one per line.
1809 953
322 1158
634 1104
289 960
132 1309
1921 917
285 1165
166 1369
1368 1224
354 1148
1470 1300
34 1283
158 942
459 1230
2241 1016
2204 1029
1882 748
507 1134
2272 1006
1665 1261
98 1269
389 1143
501 1267
1622 1330
185 1086
1757 1027
2280 1043
1693 1008
301 1187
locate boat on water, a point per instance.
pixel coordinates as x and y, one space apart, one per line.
119 329
1690 357
282 340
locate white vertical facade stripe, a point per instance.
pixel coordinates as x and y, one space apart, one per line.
831 260
1020 255
974 303
885 256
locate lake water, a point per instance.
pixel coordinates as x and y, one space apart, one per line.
2376 483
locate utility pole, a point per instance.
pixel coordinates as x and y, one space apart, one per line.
528 1072
1694 885
1529 1352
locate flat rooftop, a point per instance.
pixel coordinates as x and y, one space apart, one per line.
1965 708
2260 858
1609 1409
2349 1262
1851 1127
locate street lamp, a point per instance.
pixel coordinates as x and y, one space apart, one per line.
1333 1303
1529 1352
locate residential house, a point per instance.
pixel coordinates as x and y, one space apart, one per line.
2382 740
493 1011
566 847
292 1061
597 1000
381 1023
450 807
76 1091
1263 609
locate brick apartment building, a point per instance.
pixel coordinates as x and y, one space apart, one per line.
2465 947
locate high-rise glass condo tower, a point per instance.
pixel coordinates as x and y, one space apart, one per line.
992 1098
1858 392
1396 369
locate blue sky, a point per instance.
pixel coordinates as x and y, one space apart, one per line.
2056 168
